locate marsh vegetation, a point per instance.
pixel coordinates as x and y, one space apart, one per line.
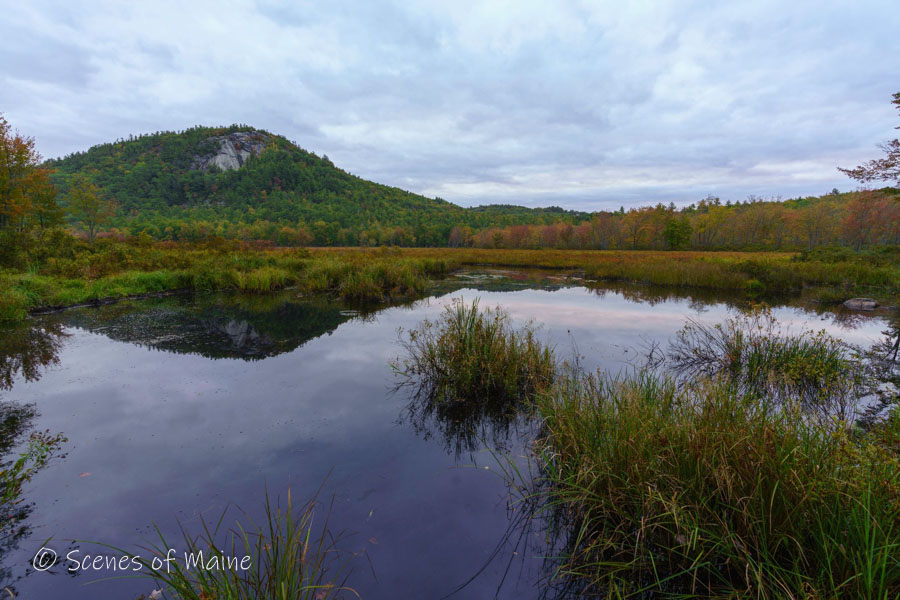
57 270
731 467
288 556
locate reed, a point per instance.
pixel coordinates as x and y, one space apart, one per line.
663 490
289 557
470 355
765 361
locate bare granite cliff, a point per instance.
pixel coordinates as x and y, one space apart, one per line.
234 150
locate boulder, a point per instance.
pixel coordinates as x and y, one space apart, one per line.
861 304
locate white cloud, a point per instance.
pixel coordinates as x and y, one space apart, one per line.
582 104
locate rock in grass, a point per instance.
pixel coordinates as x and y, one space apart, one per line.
861 304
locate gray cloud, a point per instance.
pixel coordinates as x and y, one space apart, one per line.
583 104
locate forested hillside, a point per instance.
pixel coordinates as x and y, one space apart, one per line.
166 185
246 184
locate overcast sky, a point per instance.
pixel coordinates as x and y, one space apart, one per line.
586 105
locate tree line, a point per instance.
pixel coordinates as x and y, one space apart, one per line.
857 220
150 186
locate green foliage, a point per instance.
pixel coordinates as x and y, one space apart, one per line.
15 420
87 207
284 194
41 447
677 233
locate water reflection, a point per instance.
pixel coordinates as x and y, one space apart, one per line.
217 326
17 468
466 427
308 396
25 352
27 349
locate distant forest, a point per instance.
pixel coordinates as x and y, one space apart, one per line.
154 186
856 220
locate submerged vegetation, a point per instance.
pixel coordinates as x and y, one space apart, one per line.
739 467
471 374
471 355
741 471
760 359
21 458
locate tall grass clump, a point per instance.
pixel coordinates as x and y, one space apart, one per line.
761 359
470 355
264 279
668 490
13 304
289 558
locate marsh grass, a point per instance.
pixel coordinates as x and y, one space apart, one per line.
111 270
290 558
754 272
474 356
61 270
665 490
762 360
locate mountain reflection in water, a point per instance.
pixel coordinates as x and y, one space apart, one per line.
240 394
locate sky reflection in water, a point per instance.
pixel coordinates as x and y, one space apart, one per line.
180 406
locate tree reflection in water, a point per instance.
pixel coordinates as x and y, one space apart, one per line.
25 351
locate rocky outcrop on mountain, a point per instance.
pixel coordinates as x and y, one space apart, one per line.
234 150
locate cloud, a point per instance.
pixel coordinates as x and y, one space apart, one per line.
582 104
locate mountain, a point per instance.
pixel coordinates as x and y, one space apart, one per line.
242 182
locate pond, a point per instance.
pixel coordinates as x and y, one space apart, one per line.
183 407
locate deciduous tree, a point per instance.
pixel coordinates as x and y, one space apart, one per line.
88 207
21 179
881 169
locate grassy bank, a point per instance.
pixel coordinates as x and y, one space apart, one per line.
845 272
73 273
58 270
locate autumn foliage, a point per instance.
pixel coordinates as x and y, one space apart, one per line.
856 219
26 195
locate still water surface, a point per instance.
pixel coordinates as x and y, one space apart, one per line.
190 405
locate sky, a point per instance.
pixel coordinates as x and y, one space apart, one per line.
585 105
